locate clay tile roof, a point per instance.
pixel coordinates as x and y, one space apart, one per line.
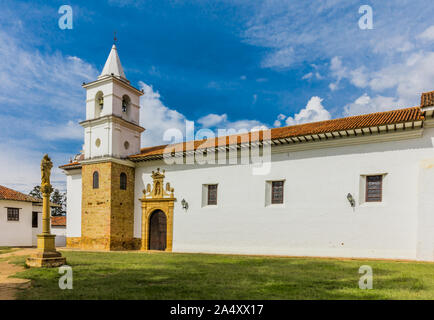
59 221
427 99
71 164
342 124
9 194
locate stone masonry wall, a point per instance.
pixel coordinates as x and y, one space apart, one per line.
122 209
107 212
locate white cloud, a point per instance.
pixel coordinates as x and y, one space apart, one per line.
20 166
212 120
428 34
222 122
393 44
393 63
282 58
314 111
409 78
359 77
365 104
69 131
296 32
404 82
39 95
338 71
156 118
42 80
279 120
307 76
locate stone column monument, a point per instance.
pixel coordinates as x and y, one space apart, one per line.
46 256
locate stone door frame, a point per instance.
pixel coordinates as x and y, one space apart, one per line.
148 207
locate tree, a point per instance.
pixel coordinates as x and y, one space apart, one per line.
57 197
36 192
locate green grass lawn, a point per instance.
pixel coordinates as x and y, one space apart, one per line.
119 275
5 250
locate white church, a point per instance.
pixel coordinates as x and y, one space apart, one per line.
361 186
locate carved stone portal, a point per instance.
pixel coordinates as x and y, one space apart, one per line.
157 199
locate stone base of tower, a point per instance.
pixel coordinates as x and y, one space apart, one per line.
109 244
107 207
73 242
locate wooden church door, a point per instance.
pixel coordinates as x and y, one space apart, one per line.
157 231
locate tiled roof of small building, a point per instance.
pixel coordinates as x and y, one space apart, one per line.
9 194
58 221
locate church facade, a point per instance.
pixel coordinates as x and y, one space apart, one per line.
360 186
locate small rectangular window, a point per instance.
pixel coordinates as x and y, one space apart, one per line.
374 188
34 219
277 192
212 194
13 214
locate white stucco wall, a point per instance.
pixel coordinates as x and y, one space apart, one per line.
316 218
425 239
73 203
60 233
18 233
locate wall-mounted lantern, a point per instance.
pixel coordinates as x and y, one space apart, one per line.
184 204
351 200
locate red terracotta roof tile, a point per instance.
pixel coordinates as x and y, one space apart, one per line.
9 194
342 124
427 99
71 164
58 221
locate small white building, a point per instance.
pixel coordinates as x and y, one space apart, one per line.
20 218
360 186
58 228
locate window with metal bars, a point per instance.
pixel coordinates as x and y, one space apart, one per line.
212 194
277 192
374 188
13 214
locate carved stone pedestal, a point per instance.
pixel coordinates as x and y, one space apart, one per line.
47 256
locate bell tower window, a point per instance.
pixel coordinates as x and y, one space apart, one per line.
99 104
125 103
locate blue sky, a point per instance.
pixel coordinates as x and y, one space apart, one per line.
223 64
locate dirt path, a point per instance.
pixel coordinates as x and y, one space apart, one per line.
10 286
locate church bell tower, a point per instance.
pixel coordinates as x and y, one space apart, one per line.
111 128
111 134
